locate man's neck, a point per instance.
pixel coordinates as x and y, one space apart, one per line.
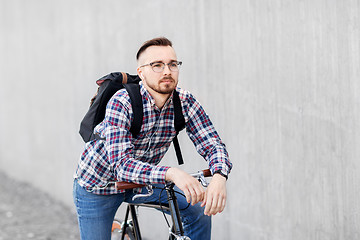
159 98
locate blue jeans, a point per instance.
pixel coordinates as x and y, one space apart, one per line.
96 213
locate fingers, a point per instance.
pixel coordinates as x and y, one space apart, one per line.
194 193
192 189
214 203
187 195
200 193
214 206
204 201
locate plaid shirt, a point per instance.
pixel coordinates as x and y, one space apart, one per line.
121 157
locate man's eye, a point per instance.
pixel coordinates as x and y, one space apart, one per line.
157 65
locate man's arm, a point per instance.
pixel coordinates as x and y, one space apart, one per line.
209 145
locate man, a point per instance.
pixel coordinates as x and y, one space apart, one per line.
122 157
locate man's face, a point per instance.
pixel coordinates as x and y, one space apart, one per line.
163 82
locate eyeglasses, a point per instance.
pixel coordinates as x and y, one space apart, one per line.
159 67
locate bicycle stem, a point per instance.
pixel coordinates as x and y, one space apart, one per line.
174 208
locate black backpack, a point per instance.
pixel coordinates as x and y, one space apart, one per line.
108 86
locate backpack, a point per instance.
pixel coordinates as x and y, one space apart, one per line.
108 86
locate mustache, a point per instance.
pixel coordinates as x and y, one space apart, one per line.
167 78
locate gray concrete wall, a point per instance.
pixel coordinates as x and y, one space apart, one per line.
280 80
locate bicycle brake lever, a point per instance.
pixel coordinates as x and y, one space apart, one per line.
201 178
149 193
203 181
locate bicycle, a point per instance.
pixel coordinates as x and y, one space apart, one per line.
129 228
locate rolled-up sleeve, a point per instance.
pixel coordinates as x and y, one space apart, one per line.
204 136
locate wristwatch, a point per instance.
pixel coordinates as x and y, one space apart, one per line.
221 173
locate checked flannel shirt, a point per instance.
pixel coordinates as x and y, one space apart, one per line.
121 157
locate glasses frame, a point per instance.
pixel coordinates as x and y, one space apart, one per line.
178 63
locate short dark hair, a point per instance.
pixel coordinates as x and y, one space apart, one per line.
160 41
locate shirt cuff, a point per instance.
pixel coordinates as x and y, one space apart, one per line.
158 174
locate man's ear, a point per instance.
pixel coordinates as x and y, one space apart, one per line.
139 72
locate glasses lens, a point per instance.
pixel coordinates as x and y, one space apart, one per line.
174 66
158 67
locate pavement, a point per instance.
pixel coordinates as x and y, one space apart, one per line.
27 213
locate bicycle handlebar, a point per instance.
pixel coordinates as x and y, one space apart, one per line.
127 185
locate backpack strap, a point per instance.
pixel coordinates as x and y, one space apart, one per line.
179 117
124 78
178 150
137 107
179 122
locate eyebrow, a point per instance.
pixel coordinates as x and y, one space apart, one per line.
159 61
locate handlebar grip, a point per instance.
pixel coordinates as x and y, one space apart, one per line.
206 172
126 185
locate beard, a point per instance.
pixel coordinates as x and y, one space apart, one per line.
165 86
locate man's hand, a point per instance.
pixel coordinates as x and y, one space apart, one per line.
193 190
215 195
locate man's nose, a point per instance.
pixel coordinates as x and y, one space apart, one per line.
167 69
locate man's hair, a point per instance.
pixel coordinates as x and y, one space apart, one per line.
160 41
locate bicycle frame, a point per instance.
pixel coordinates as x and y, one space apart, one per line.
173 207
132 210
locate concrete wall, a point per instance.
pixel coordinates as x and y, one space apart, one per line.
280 80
